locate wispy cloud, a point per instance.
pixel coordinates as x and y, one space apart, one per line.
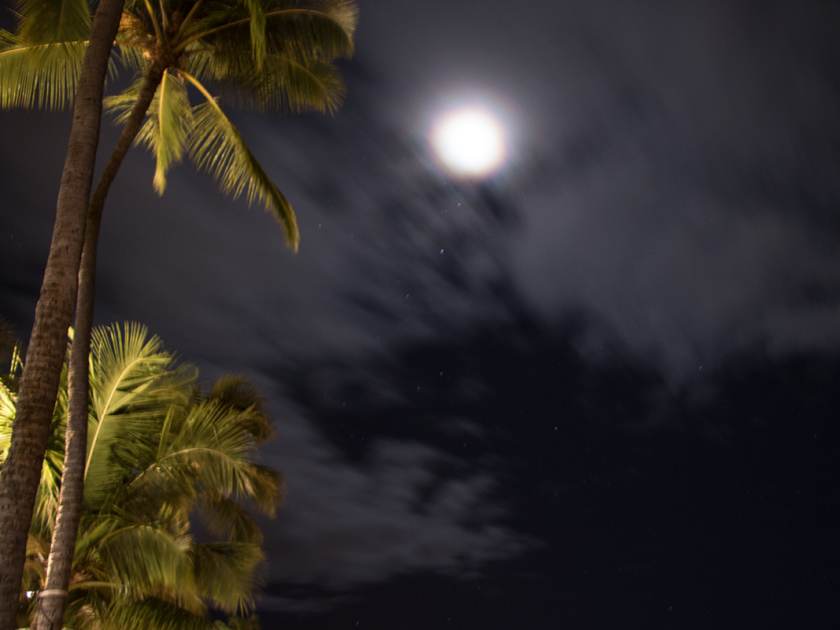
399 510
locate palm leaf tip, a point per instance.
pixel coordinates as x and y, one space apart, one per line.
217 147
285 214
346 14
172 115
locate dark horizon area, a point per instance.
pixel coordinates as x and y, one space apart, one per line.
597 389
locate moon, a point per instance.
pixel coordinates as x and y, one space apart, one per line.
470 142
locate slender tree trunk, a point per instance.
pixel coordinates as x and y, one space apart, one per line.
21 471
52 600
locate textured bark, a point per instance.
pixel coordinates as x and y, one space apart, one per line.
21 471
51 603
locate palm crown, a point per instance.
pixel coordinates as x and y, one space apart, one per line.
265 54
160 456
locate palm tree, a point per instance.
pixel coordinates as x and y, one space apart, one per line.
54 310
262 53
160 456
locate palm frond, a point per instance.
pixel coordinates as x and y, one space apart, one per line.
311 30
37 547
285 83
227 518
167 125
41 62
235 392
49 21
153 614
269 489
7 417
133 383
136 564
225 574
146 558
217 147
42 75
119 105
15 362
173 114
209 452
256 25
132 57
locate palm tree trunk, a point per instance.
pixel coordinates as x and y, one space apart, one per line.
51 601
21 471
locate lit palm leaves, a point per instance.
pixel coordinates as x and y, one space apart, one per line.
42 76
41 63
158 455
265 54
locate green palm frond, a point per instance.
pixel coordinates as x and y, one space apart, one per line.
209 450
319 30
41 62
48 21
161 456
133 384
267 54
119 105
288 84
225 574
146 558
15 362
269 489
173 114
132 57
42 75
168 122
153 614
205 462
37 546
256 23
284 83
217 147
235 392
227 518
7 417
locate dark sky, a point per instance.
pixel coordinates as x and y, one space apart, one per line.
598 390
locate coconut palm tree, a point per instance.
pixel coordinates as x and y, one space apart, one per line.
54 310
160 457
262 53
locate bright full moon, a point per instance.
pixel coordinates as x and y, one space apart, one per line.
470 142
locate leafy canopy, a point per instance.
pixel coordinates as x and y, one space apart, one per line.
161 458
260 54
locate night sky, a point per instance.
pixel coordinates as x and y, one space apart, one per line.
596 390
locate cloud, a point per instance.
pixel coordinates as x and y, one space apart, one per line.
400 510
686 203
688 280
685 199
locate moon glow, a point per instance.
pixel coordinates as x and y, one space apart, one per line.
470 142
